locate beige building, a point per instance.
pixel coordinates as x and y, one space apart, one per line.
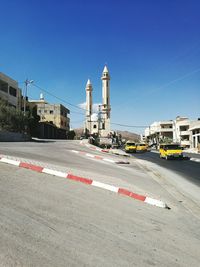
10 91
55 114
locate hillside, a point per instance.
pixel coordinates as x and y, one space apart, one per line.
125 134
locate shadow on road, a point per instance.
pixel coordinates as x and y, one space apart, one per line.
185 168
42 141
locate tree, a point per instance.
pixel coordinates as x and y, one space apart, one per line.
71 135
15 120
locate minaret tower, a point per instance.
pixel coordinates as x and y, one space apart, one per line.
88 105
106 108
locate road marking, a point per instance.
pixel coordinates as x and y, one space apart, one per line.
155 202
56 173
121 191
108 160
126 192
31 167
79 179
89 155
105 186
99 157
10 161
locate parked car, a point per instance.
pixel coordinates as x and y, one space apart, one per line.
130 147
168 151
141 147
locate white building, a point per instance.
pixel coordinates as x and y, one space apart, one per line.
195 134
178 131
182 133
98 124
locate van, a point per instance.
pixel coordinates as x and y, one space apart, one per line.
130 147
141 147
168 151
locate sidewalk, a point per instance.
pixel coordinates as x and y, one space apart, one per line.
118 186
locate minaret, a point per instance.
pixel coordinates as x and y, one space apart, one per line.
106 108
88 105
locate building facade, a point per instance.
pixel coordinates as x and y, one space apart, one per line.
195 134
179 131
10 92
54 120
98 123
55 114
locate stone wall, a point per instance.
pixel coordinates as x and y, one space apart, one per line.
13 137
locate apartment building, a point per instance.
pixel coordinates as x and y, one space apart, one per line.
159 132
182 132
177 131
10 92
54 121
195 134
56 114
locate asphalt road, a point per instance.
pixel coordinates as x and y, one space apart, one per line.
187 169
51 221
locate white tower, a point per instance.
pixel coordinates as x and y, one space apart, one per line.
88 105
106 108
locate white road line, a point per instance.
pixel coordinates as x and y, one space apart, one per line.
10 161
105 186
109 160
89 155
54 172
74 151
155 202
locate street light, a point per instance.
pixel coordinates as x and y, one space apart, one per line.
27 82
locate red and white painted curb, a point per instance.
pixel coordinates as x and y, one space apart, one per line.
94 147
195 159
121 191
99 157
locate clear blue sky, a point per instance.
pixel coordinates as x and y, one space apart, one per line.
151 47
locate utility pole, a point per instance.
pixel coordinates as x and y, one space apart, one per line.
27 82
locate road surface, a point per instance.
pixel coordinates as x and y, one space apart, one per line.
50 221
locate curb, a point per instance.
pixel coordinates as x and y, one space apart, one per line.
195 159
99 157
103 150
118 190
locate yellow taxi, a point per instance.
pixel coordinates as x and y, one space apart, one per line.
168 151
130 147
141 147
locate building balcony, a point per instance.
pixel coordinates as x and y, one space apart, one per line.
182 133
162 130
185 143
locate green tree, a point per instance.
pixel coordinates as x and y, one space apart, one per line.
12 119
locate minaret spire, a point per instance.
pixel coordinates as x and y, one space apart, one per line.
106 108
89 90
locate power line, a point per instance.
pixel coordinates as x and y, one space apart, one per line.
60 99
131 126
179 79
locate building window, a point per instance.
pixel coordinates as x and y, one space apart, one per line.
94 126
3 86
51 111
39 111
45 111
13 91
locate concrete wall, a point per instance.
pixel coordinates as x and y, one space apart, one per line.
14 100
13 137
